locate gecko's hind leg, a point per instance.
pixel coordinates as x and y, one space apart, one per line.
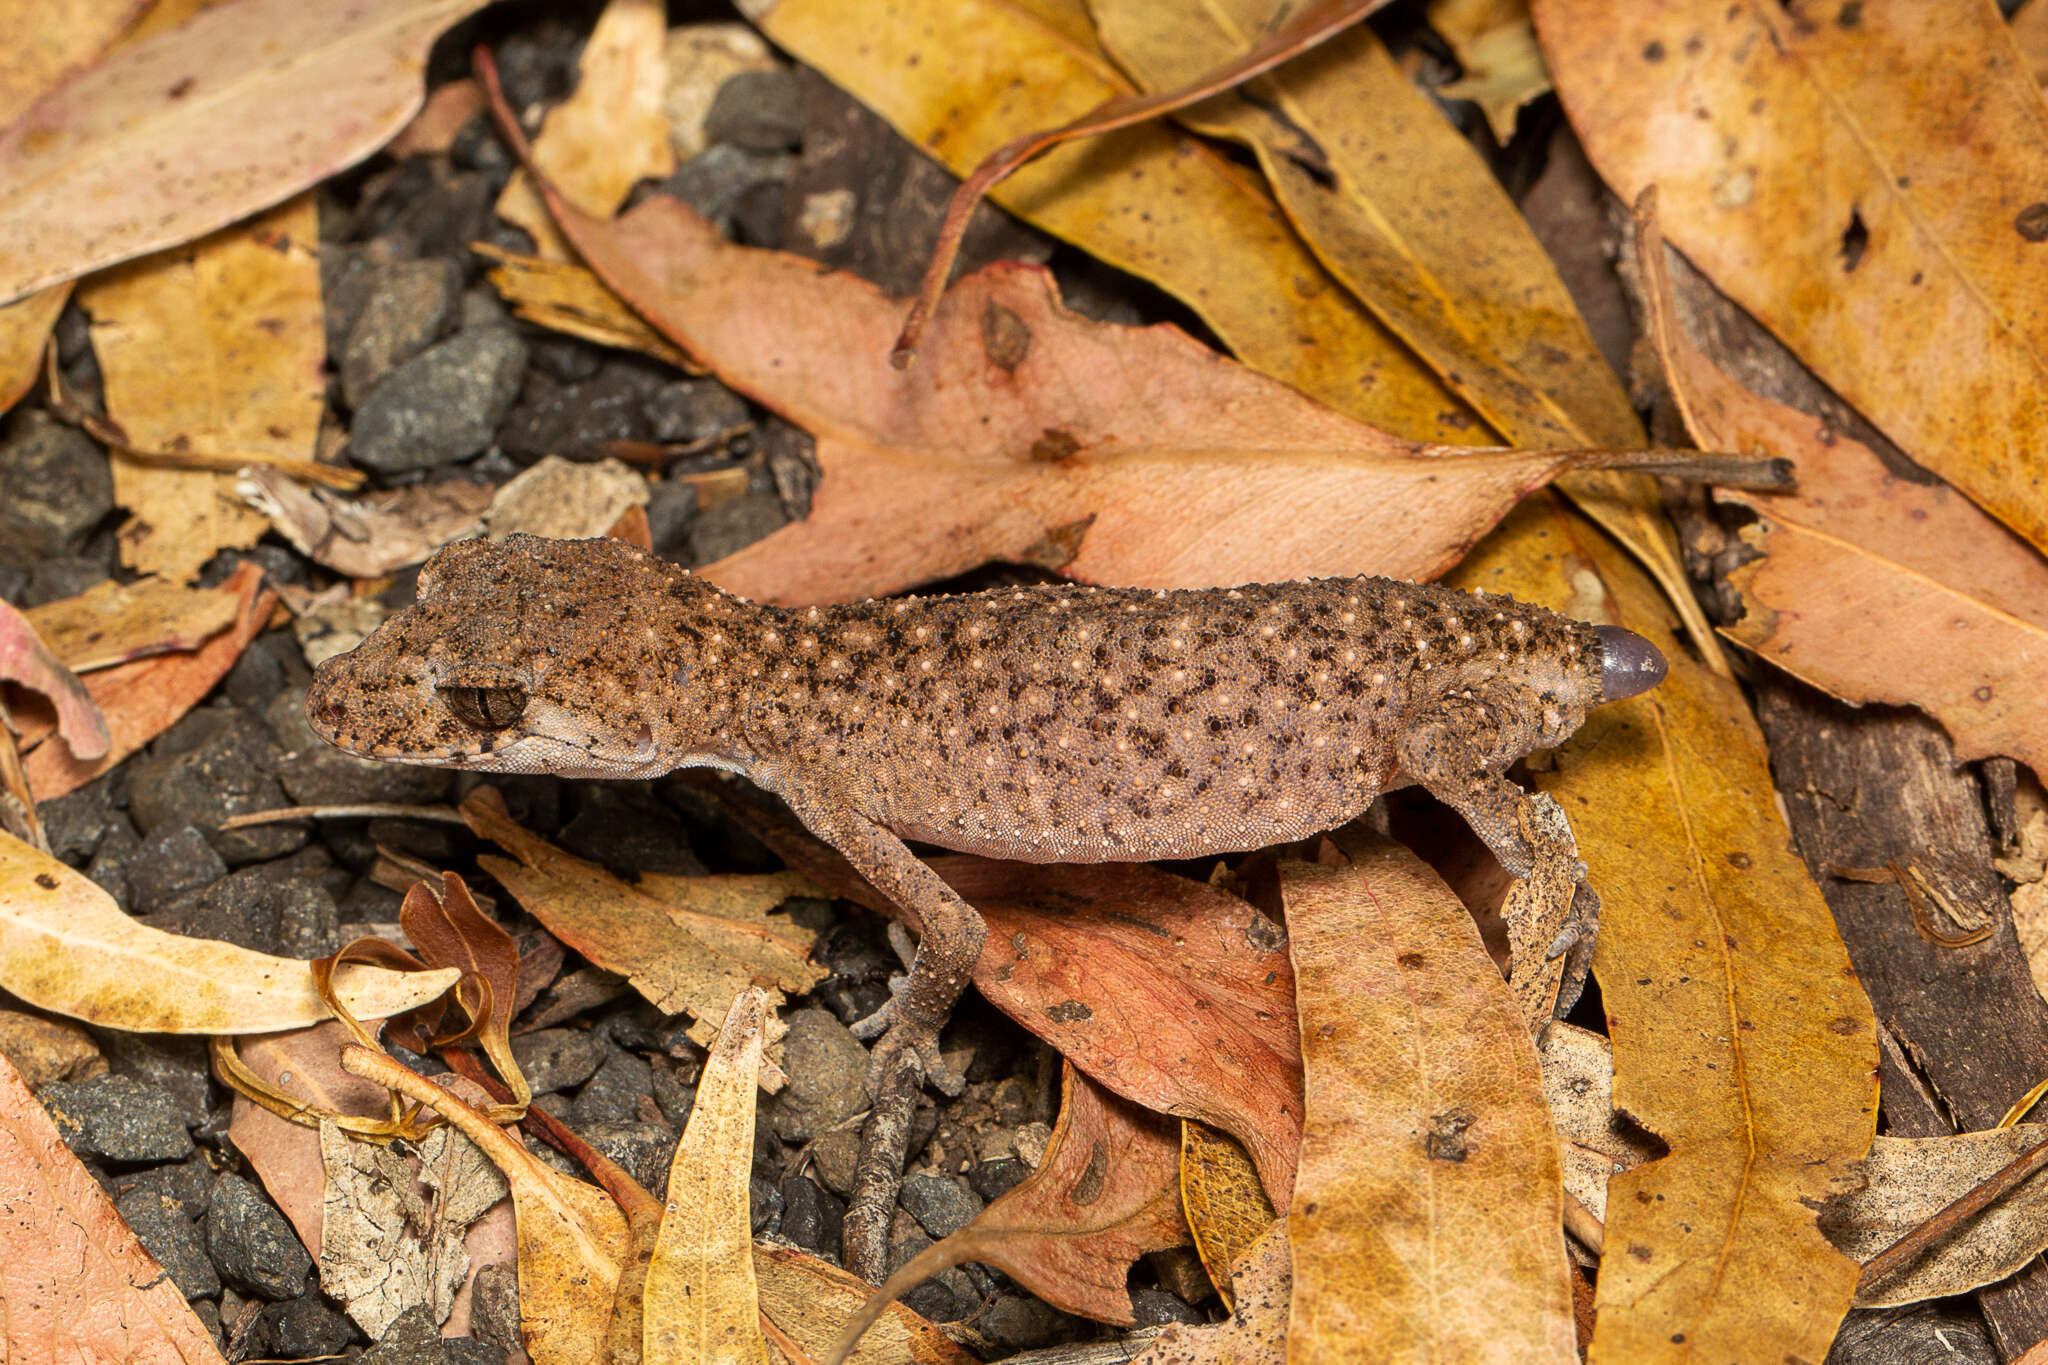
906 1053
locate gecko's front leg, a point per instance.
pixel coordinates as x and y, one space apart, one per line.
907 1053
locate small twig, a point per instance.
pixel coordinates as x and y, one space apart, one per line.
1581 1224
1944 1224
374 810
878 1173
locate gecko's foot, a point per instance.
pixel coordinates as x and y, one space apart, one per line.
899 1034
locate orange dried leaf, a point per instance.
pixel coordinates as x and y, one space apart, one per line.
1205 1031
1906 276
75 1283
1107 1192
1856 544
67 948
113 623
1426 1215
27 660
1025 432
191 128
141 700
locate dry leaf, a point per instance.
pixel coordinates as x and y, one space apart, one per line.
702 1307
809 1299
1256 1333
212 349
684 957
450 930
1114 454
1412 220
572 1237
1227 1208
434 127
1502 67
75 1284
67 948
1905 276
2030 34
1106 1192
195 127
370 535
568 298
1741 1037
27 660
24 333
113 623
610 134
1911 1180
385 1247
1578 1085
141 700
1148 199
1427 1208
566 500
700 58
1205 1032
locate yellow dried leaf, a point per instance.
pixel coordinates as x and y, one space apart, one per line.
810 1299
1907 275
67 948
210 349
1740 1035
701 1304
112 623
1426 1216
1227 1208
565 297
610 134
24 331
1148 199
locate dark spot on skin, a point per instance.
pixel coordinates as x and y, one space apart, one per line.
2032 221
1653 52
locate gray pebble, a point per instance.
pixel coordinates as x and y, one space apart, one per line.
174 859
442 405
118 1118
940 1204
216 762
413 1339
733 525
58 488
558 1058
613 1095
252 1245
828 1071
409 305
166 1233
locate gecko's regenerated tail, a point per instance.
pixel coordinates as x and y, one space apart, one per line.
1629 664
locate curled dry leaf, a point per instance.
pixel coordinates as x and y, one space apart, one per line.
1906 277
451 931
197 126
684 956
113 623
1256 1333
1598 1142
27 660
808 1300
75 1282
1426 1215
702 1307
565 499
185 372
1148 199
1227 1209
1856 543
1204 1032
141 700
1912 1179
572 1237
1106 1192
372 534
564 297
67 948
611 133
1704 908
1025 432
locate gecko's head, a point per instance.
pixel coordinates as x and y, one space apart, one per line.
525 656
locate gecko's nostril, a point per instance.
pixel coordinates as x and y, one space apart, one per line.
1629 664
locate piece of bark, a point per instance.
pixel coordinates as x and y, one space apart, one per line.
1866 787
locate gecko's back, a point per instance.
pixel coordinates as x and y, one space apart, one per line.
1082 725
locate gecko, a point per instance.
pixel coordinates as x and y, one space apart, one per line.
1054 723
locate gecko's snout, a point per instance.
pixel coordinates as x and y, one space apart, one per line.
1629 664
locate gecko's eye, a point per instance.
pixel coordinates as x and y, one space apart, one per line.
485 708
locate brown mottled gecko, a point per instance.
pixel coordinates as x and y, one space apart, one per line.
1047 724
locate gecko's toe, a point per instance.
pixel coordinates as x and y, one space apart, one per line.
1629 664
